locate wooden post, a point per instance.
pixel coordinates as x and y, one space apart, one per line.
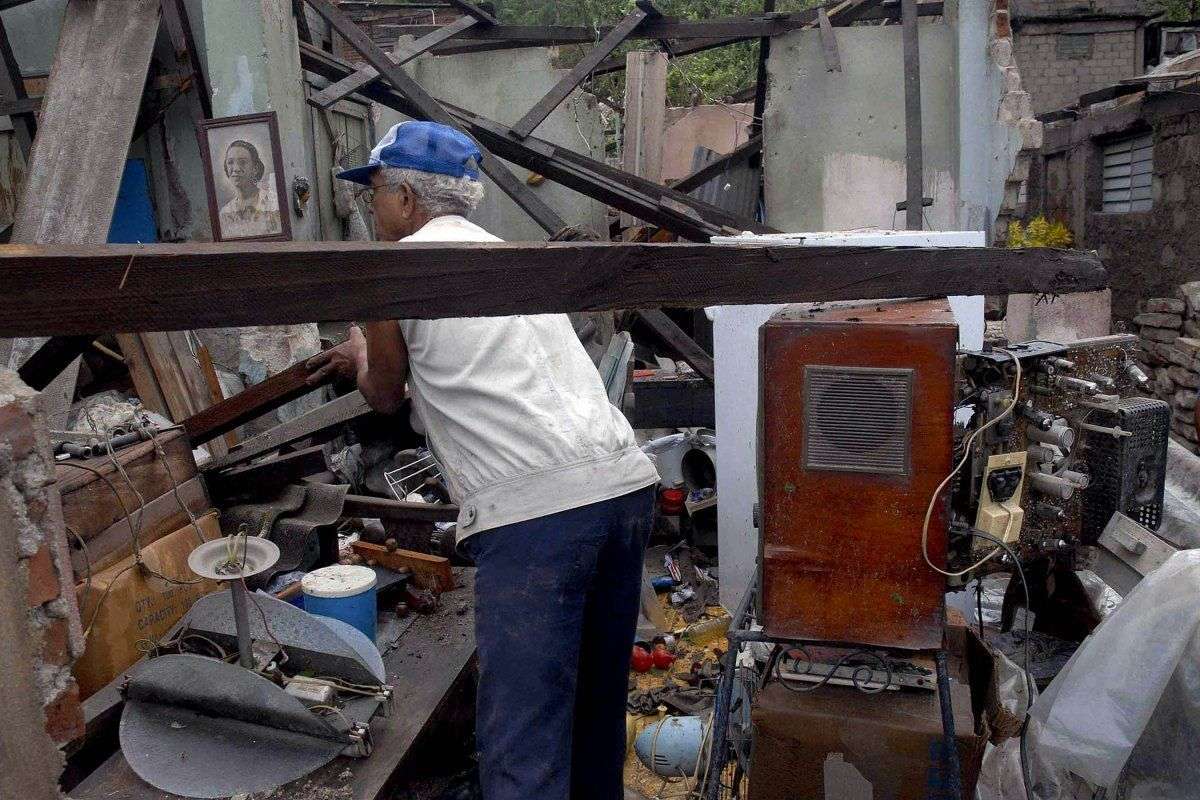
914 168
645 115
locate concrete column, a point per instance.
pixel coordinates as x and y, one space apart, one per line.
645 116
253 61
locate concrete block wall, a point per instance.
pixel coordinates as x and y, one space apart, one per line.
36 554
1169 328
1055 80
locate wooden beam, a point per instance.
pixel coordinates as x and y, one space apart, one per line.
264 477
760 84
536 115
914 211
429 572
678 341
430 109
358 505
326 417
179 29
474 11
49 360
259 399
352 83
714 168
214 285
829 47
687 216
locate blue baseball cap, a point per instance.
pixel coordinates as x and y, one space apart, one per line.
427 146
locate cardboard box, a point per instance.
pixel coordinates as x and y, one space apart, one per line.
135 605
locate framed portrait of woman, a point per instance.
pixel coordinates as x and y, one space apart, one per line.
243 173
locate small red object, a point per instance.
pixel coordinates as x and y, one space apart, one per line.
641 660
670 501
662 658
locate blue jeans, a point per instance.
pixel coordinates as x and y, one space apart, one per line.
556 607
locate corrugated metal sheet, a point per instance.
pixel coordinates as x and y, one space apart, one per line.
735 190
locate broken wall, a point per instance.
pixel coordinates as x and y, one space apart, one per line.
720 128
833 156
502 86
39 622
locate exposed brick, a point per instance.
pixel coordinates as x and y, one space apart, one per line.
64 715
1003 26
56 642
42 577
16 431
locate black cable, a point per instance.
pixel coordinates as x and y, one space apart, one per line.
1025 773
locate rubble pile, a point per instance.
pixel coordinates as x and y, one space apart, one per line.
1169 328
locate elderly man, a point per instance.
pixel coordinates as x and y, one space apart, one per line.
556 497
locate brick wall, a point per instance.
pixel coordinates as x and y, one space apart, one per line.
36 554
1056 79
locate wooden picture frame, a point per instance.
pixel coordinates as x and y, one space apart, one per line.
231 148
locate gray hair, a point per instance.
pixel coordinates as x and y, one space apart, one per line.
439 194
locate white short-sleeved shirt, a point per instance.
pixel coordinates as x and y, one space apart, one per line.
515 412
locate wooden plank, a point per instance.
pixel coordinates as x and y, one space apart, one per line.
265 477
358 505
914 211
829 48
215 393
89 502
49 360
179 28
429 572
213 285
714 168
430 660
474 11
672 401
595 179
536 115
675 338
141 371
72 180
350 84
334 413
522 195
257 400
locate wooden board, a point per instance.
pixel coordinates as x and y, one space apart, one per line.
672 401
675 338
263 477
358 505
275 391
90 504
429 572
431 659
205 285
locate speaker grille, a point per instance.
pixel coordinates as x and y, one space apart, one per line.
857 419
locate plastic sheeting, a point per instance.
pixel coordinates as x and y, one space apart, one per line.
1126 708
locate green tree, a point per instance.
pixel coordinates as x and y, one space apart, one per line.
699 78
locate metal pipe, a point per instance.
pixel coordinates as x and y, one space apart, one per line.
950 743
242 621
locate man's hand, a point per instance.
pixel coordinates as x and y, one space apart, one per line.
342 362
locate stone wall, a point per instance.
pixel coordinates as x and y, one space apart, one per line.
1146 253
1170 346
41 626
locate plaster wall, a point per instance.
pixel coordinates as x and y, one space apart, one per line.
502 86
834 152
720 128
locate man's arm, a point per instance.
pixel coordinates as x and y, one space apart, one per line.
381 375
378 361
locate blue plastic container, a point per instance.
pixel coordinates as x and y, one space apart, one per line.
344 592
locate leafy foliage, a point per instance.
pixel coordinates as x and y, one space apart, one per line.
704 77
1040 232
1176 10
